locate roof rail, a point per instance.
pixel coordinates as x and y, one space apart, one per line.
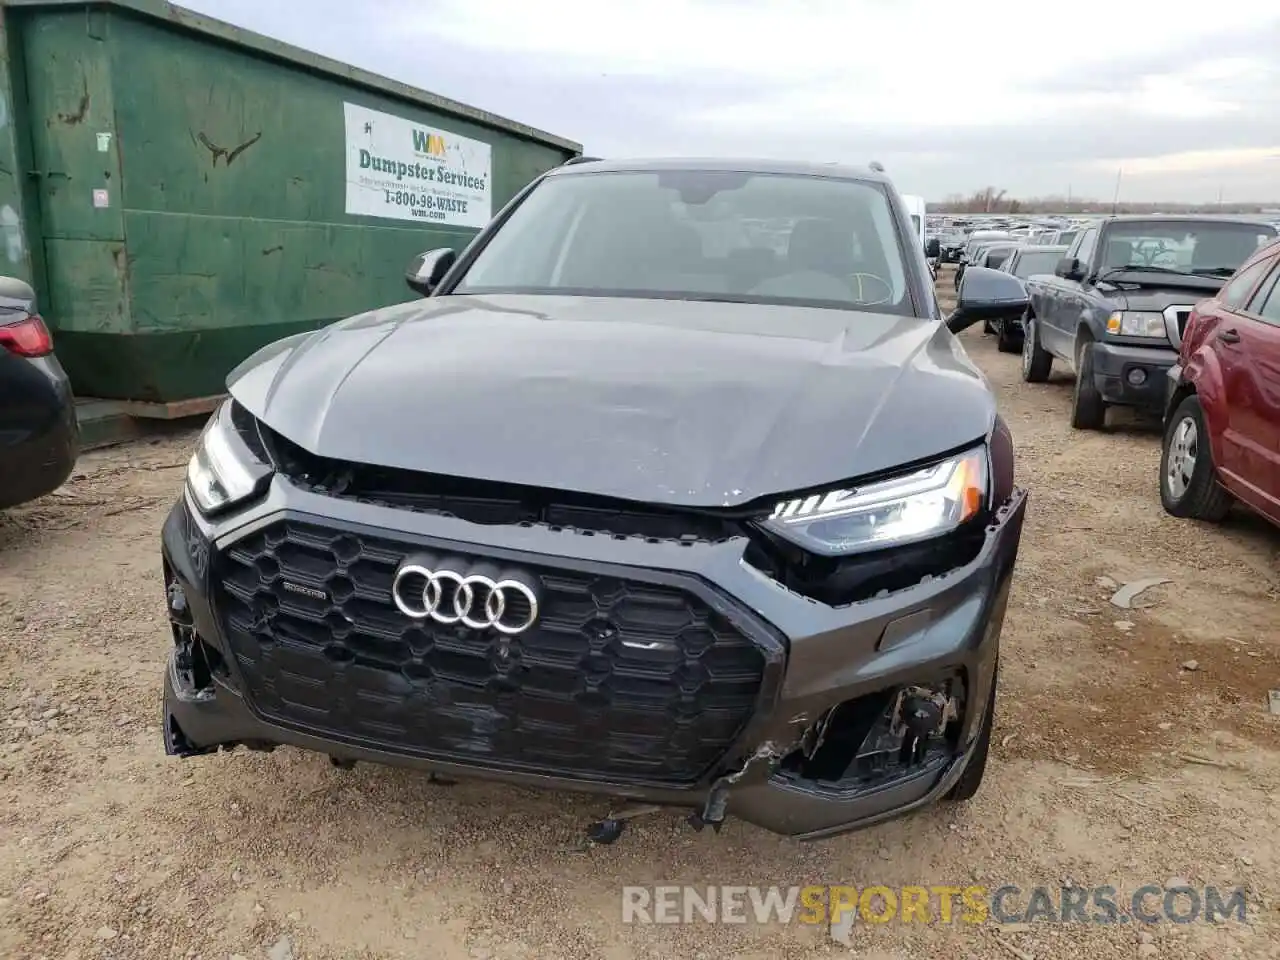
573 160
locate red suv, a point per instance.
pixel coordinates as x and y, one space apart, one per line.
1222 415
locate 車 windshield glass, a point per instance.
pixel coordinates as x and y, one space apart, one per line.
700 235
1209 248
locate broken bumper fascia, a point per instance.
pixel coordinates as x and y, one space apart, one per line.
952 624
949 623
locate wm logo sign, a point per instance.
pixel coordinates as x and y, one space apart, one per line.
431 143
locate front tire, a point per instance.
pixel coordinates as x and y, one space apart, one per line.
1189 485
1006 341
1036 360
1088 409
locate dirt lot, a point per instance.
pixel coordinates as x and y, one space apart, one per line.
1132 747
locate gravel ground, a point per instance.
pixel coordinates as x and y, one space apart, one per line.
1131 747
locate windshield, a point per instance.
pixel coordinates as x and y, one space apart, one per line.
1032 262
702 235
1190 247
996 255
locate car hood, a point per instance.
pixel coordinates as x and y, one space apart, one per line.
1158 299
1137 290
664 401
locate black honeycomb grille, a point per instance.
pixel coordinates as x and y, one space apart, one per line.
568 696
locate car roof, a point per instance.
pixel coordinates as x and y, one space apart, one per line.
838 171
1180 218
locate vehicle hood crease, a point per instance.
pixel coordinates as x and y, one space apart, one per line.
670 402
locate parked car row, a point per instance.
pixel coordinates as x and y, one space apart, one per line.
986 248
1177 318
955 236
1115 307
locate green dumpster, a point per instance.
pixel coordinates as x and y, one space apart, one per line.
180 192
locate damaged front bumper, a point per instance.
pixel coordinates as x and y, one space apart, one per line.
830 746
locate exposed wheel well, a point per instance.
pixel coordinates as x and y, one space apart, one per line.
1184 390
1083 335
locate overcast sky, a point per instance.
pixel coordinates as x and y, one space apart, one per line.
1034 98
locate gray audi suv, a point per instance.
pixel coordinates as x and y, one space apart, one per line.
675 486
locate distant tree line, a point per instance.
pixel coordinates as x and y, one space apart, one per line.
991 200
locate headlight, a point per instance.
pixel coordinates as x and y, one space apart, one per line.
899 510
1136 323
223 470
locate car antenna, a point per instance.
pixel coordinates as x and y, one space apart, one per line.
877 166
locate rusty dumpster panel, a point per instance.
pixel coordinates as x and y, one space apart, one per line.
189 192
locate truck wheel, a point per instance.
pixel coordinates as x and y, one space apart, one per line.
971 779
1036 361
1007 338
1188 478
1088 409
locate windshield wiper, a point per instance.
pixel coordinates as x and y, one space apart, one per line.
1215 271
1141 268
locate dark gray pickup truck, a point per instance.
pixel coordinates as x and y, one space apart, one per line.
1114 309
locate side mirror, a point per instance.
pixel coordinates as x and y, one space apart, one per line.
426 270
987 294
1069 268
933 249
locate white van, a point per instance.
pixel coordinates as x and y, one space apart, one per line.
915 207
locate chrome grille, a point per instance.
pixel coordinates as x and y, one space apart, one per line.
1175 323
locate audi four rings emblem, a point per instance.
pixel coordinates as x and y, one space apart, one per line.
425 591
